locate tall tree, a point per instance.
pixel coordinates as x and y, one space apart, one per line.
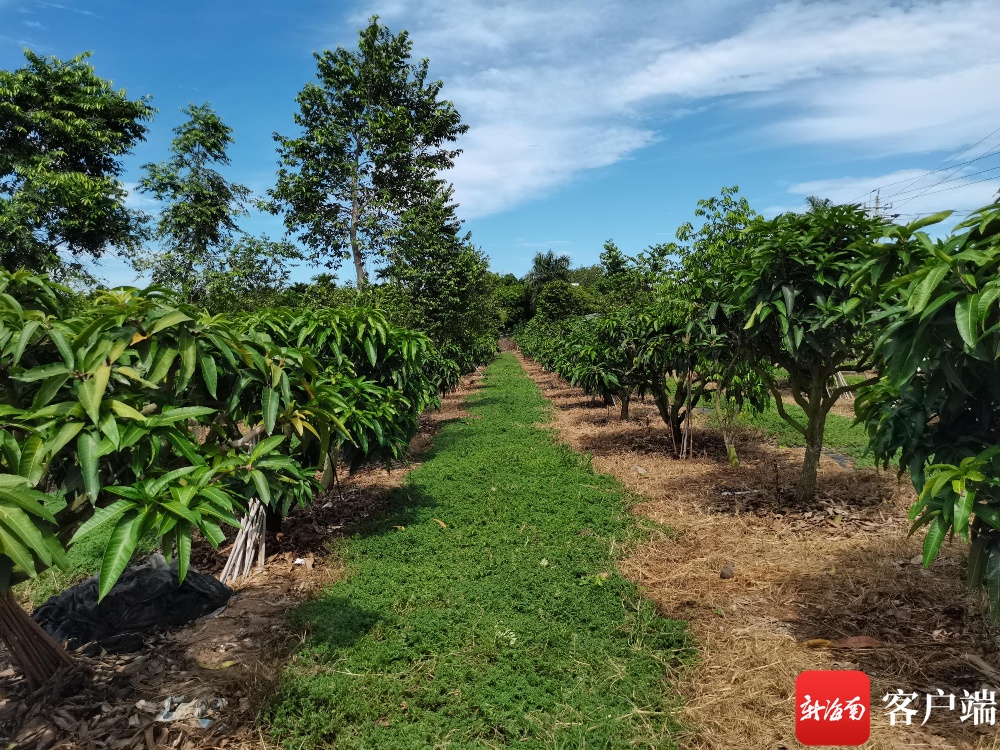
63 130
445 281
373 130
198 218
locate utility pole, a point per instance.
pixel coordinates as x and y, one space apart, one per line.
878 209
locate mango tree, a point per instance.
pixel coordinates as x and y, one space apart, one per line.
799 311
154 419
937 410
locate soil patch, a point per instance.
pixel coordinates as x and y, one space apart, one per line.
769 586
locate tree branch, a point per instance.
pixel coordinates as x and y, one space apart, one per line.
255 433
778 405
838 392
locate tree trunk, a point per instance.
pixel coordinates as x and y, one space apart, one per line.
31 649
734 460
359 261
667 413
805 490
626 397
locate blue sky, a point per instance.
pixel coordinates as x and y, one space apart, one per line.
589 119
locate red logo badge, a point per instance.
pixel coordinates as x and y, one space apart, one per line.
833 707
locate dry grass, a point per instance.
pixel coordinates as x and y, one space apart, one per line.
839 568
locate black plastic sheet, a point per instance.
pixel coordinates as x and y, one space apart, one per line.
146 599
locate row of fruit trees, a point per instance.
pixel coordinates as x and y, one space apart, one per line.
154 419
752 307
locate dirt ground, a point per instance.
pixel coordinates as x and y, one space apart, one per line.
836 585
231 662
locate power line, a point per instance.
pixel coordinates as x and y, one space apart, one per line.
952 179
948 161
945 190
940 168
947 176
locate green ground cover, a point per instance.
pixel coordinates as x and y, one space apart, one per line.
510 627
840 434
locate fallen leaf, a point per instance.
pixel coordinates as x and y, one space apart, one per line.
221 665
856 641
639 470
817 643
440 522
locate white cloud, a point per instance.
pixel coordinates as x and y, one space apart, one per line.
553 89
137 200
912 192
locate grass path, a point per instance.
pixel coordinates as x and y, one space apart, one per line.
509 627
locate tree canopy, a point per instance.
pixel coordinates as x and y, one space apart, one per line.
200 209
373 138
63 131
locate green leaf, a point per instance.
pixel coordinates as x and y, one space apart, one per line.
125 411
43 372
189 358
928 220
181 510
185 445
265 446
109 514
172 416
62 345
13 548
22 341
168 320
32 464
55 548
921 296
162 362
963 509
92 390
27 499
989 514
260 482
48 390
269 407
87 454
66 433
183 549
17 522
932 541
370 349
109 428
209 373
121 546
157 486
211 531
966 319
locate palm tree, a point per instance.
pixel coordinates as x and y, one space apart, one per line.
548 267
